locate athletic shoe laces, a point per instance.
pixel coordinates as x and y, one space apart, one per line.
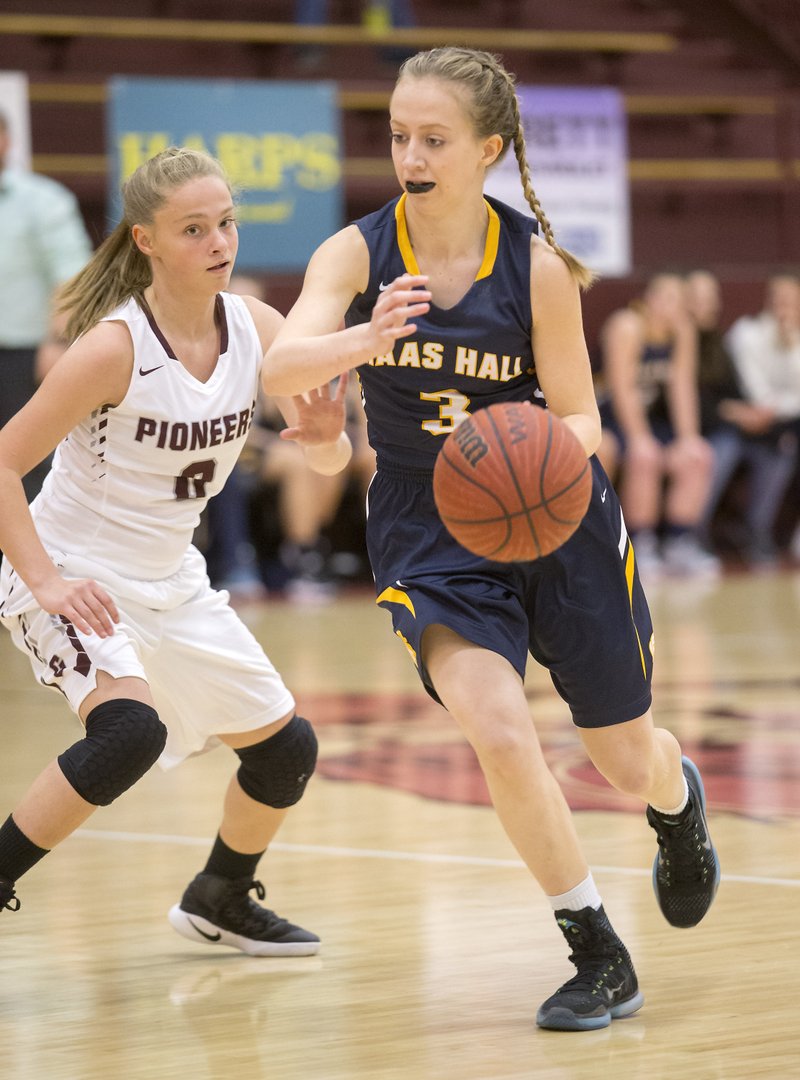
593 953
9 901
683 850
250 918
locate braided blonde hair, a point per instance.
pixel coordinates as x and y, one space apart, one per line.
118 269
494 110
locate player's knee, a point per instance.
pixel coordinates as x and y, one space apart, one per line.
124 738
629 775
503 744
275 771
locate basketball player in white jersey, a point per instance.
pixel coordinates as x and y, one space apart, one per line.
101 586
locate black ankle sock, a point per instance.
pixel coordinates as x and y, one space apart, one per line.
17 853
225 862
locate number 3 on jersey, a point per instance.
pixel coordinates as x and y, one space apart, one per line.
453 408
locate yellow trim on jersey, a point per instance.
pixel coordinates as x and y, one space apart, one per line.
407 645
489 251
396 596
629 566
492 243
403 242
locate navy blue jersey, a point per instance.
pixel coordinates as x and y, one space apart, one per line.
653 375
655 369
461 358
580 611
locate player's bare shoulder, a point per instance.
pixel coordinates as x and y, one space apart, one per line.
266 318
548 269
342 259
337 271
555 292
101 360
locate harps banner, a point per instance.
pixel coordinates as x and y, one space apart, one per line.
278 142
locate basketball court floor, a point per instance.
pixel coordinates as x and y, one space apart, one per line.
437 944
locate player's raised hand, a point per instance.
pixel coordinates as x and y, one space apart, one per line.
400 301
320 416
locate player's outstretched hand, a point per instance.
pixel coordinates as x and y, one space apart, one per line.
402 299
86 604
320 417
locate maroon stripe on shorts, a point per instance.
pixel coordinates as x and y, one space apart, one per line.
83 665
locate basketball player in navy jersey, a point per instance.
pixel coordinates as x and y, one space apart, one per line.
101 586
451 303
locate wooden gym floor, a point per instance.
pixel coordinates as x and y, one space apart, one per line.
437 944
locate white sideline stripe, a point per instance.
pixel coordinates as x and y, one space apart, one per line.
402 856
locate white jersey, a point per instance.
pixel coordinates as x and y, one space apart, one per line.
120 506
129 483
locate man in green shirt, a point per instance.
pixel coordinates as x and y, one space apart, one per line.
43 242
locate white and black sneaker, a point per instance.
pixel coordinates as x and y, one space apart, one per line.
218 911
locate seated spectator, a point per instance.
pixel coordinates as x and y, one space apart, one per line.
753 412
306 504
651 425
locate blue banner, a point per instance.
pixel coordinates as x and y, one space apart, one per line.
279 143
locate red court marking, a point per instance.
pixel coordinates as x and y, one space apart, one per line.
756 775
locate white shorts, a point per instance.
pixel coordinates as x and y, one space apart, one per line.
207 673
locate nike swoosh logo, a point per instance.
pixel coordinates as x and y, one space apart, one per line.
603 496
208 937
538 393
382 287
150 370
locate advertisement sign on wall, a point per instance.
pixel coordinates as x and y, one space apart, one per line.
279 143
576 140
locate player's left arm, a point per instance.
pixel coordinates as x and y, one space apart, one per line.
559 345
315 420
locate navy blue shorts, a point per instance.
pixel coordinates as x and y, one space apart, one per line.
580 612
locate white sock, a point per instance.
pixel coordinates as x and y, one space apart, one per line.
681 806
584 894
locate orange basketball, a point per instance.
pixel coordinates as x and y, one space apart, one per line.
512 482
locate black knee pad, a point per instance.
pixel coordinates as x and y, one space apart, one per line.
275 772
123 739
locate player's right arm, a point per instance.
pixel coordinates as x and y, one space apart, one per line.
311 348
93 372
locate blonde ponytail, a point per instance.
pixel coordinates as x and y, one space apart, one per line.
118 269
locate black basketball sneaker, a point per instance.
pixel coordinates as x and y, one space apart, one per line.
686 869
605 987
218 911
9 901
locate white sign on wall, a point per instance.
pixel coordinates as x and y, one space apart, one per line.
576 140
14 105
